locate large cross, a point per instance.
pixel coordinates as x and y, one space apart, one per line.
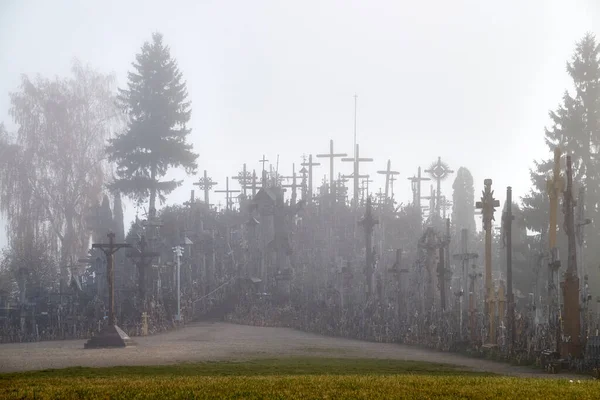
355 174
293 185
109 250
388 173
310 164
142 258
331 157
263 162
486 205
228 192
439 171
205 183
244 178
416 189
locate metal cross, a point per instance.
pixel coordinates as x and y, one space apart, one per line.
205 183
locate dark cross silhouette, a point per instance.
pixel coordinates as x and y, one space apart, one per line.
331 157
228 192
355 174
368 222
416 188
293 185
109 250
388 173
244 178
142 259
310 164
205 183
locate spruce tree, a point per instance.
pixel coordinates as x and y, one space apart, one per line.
155 139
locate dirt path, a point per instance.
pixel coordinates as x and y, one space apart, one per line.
221 341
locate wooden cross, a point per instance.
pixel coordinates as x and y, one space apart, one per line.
142 258
263 162
392 180
310 164
244 178
228 193
364 190
205 183
293 185
388 173
109 250
356 175
416 188
331 157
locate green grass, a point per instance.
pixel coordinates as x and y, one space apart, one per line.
289 378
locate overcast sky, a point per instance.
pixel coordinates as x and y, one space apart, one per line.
470 81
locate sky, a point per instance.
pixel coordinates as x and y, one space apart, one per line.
469 81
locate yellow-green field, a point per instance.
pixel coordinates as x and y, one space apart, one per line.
290 378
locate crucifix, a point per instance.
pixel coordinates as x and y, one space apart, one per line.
228 192
355 174
293 185
439 171
244 178
465 257
388 173
331 157
142 258
310 164
416 188
108 338
205 183
368 222
487 206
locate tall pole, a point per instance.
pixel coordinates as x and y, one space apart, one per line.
508 219
178 250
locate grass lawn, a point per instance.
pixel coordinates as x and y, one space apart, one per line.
288 378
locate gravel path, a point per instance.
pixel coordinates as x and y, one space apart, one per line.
208 341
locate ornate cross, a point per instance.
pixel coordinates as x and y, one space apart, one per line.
205 183
244 178
439 171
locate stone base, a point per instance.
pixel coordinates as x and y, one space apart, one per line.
111 336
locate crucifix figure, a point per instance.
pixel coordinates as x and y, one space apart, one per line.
368 223
228 192
331 157
112 335
388 173
439 171
355 174
244 178
416 189
205 183
487 206
310 164
142 259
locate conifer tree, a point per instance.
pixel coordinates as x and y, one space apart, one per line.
155 139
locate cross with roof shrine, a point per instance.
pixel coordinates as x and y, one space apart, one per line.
205 183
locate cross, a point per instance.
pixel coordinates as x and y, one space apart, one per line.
416 189
263 162
368 222
464 257
310 164
392 180
205 183
142 259
109 250
439 171
293 185
356 175
431 199
228 193
244 178
331 157
254 183
364 190
388 173
445 205
341 189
